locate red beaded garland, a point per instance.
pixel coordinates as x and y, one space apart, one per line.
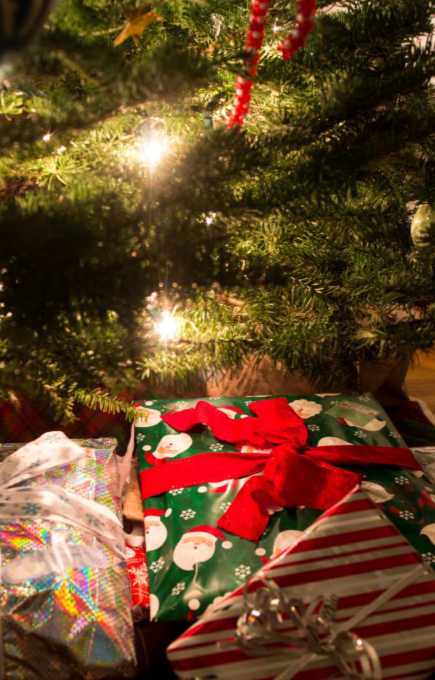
299 33
244 82
254 40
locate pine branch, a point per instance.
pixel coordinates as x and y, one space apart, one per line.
104 401
289 240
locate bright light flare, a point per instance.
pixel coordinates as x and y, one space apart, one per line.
167 327
46 137
275 27
152 150
210 219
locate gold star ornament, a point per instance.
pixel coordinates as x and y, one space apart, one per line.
137 21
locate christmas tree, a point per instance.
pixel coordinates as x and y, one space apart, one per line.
141 239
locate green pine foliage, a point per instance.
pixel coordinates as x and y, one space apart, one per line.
290 239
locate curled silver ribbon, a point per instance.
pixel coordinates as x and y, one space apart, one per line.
318 634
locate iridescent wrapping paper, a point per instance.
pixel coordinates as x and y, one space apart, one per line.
75 624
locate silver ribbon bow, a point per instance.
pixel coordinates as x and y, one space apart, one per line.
318 635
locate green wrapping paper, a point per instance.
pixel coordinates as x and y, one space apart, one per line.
193 563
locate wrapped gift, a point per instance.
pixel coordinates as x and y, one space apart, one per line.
132 506
426 457
351 598
138 571
196 482
65 596
138 574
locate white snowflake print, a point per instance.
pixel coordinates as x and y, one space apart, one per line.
429 558
248 402
363 398
360 434
405 514
401 480
157 565
395 435
176 492
181 404
139 574
214 398
242 571
52 437
188 514
217 447
224 506
333 403
178 589
313 428
140 437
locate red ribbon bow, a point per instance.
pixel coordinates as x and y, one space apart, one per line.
293 474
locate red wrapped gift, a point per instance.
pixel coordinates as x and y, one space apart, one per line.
138 573
351 598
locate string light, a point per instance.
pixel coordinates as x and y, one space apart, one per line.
152 150
210 219
46 137
275 27
167 327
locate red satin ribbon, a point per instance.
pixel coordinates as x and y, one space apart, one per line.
292 473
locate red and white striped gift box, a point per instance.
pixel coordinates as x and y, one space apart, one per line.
353 552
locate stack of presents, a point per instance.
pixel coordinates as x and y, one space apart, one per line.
289 537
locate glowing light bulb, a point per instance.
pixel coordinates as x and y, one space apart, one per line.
210 218
167 327
61 149
275 27
46 137
152 151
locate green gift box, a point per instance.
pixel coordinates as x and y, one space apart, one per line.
193 563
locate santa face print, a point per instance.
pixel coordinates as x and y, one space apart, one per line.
429 531
376 492
253 449
228 412
305 409
193 549
155 533
154 606
333 441
171 445
373 426
284 540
